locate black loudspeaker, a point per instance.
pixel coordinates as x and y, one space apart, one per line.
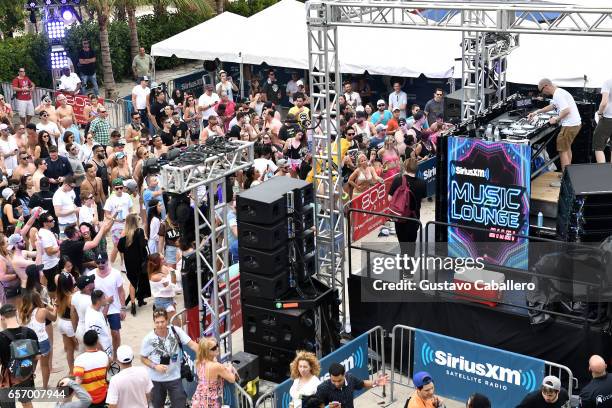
582 147
292 329
452 110
247 365
265 287
265 237
273 361
269 263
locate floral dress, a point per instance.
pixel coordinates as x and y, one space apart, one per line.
209 393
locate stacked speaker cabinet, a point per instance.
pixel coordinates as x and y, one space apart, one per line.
284 309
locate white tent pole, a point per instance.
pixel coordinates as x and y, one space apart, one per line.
241 77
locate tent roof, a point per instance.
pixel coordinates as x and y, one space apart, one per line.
203 41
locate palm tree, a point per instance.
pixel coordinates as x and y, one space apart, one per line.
103 11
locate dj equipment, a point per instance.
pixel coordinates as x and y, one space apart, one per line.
582 147
585 203
247 365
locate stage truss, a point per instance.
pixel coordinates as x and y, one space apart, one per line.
483 61
206 184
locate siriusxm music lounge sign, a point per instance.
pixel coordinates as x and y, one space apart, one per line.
460 368
353 356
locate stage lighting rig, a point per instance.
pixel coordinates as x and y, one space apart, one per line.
59 57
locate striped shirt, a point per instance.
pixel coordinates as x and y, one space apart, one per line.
91 368
101 130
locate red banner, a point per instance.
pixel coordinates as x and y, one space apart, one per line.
373 199
78 103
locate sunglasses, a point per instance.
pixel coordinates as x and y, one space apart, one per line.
101 263
50 220
21 70
136 117
380 106
118 188
214 348
102 111
350 134
24 157
44 116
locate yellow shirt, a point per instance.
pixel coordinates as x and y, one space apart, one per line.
302 116
344 145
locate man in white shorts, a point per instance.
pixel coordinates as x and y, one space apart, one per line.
79 302
23 88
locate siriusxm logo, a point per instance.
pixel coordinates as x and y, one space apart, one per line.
526 380
357 359
463 171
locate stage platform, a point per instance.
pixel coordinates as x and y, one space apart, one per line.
562 341
544 197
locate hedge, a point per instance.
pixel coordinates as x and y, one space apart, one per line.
32 51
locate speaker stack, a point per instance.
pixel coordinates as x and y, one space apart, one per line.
284 309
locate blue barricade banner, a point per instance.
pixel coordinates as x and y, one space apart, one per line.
427 171
460 368
353 356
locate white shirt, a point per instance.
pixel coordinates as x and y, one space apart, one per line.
129 388
120 206
562 100
141 96
86 214
353 99
81 303
398 99
65 200
95 320
110 285
153 346
296 391
605 88
69 83
48 240
291 89
262 165
208 101
9 146
51 128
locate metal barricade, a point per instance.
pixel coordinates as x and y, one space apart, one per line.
37 95
117 113
267 400
402 363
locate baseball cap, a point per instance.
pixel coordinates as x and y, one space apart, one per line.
422 378
380 127
282 163
124 354
7 193
380 102
299 82
118 182
102 258
44 184
130 184
13 240
120 155
3 126
396 108
144 78
85 280
119 143
551 381
34 269
209 86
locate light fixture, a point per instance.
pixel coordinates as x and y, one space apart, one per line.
48 2
32 4
56 29
59 57
67 14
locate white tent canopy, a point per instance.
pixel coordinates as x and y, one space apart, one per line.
204 42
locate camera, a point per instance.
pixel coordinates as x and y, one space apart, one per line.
164 360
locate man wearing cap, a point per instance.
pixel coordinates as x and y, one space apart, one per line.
132 386
51 251
550 395
598 392
337 391
292 87
382 115
142 64
423 396
23 88
58 167
79 302
11 331
117 206
69 82
393 124
8 148
206 103
141 95
398 99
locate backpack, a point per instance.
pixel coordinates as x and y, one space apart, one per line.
402 202
23 352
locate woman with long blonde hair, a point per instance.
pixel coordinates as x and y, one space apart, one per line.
305 370
133 246
211 374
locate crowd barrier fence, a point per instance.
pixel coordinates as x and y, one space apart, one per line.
402 363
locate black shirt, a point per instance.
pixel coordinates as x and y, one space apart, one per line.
536 400
328 392
418 188
286 132
74 251
19 333
597 393
43 199
157 110
87 69
180 132
272 90
166 138
56 169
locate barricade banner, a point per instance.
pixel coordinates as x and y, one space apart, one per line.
353 356
373 199
427 171
459 368
78 103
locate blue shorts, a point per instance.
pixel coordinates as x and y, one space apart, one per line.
170 255
44 347
164 303
114 321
